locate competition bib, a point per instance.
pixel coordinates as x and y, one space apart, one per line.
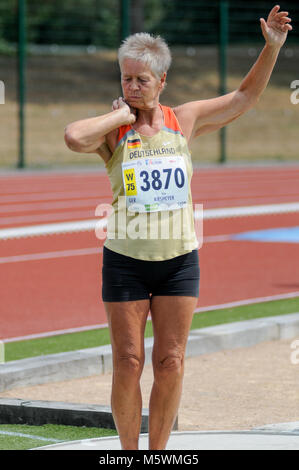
155 184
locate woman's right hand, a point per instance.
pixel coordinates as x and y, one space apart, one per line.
129 114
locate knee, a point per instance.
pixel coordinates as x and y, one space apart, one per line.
129 365
172 364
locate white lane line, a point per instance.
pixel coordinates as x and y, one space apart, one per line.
46 334
38 206
29 436
83 251
50 255
47 229
216 238
42 196
245 211
90 224
238 303
28 219
79 329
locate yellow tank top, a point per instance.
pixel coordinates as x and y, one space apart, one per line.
150 177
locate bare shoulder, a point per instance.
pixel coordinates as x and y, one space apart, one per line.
203 116
186 116
189 112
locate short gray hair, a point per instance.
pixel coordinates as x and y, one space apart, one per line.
151 50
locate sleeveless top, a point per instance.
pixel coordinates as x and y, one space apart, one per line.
152 213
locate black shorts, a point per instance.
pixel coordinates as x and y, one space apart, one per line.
125 278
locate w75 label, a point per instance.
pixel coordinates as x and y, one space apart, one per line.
130 182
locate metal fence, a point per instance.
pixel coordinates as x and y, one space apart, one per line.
103 22
58 64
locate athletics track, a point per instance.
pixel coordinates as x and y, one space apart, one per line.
50 269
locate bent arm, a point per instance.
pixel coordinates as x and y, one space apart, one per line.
87 135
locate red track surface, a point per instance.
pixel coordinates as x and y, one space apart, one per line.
52 294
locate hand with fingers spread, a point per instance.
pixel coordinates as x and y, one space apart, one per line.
276 28
129 113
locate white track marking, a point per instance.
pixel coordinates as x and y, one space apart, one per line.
47 229
216 238
90 224
43 206
42 196
46 217
50 255
46 334
28 436
82 252
245 211
237 303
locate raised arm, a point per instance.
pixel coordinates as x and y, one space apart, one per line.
200 117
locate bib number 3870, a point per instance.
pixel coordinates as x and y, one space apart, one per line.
155 184
153 179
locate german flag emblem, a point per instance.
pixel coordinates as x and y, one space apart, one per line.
134 143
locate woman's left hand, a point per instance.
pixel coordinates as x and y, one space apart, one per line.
276 29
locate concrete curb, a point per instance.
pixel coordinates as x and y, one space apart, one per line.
92 361
37 413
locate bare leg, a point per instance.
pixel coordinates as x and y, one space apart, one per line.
127 322
172 317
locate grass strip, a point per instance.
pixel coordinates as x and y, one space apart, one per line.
24 437
93 338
